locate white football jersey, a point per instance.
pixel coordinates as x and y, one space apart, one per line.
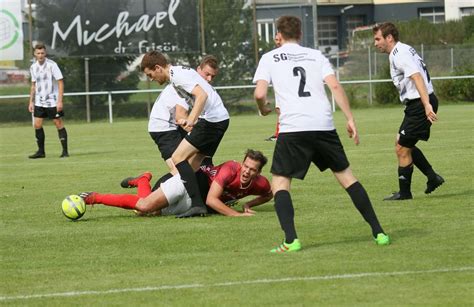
404 62
163 113
184 79
46 77
297 74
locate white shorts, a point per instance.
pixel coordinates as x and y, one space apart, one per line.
175 192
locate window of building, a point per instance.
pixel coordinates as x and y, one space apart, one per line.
467 11
327 31
266 30
432 14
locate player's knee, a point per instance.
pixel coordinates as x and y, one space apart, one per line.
59 123
144 205
178 157
402 152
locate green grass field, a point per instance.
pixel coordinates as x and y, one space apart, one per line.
112 257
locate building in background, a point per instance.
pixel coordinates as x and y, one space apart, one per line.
336 19
457 9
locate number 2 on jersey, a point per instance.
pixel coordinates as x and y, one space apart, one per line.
298 70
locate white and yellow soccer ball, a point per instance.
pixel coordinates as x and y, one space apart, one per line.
73 207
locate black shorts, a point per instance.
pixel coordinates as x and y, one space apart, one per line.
51 113
206 136
415 126
168 141
294 152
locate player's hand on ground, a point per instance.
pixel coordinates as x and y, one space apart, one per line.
246 214
352 131
248 210
430 114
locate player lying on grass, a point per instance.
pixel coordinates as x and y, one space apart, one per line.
220 186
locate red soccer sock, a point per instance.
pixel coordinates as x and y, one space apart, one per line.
126 201
143 187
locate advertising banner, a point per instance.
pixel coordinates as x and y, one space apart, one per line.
11 32
117 27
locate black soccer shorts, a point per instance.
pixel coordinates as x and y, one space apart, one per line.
415 126
206 136
167 141
294 152
51 113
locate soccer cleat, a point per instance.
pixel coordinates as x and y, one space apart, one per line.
38 155
88 197
193 212
432 185
65 154
398 196
287 247
382 239
272 138
131 182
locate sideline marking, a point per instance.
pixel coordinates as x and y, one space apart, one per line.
234 283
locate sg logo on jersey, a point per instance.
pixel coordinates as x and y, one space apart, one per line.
280 57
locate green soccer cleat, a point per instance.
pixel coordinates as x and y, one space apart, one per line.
382 239
287 247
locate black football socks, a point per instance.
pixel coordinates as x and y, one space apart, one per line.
39 134
422 163
190 183
362 202
62 133
286 214
404 180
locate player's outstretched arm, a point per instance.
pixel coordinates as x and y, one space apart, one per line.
343 102
213 201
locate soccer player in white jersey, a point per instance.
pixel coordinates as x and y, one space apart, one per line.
307 132
169 108
162 127
46 99
411 77
208 119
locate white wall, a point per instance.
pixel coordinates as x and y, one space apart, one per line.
452 8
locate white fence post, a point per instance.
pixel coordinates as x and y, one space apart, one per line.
370 77
111 118
452 59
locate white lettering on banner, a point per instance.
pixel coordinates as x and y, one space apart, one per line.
121 28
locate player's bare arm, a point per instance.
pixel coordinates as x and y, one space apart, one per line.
181 116
59 103
31 105
200 97
213 201
260 200
260 95
421 88
343 102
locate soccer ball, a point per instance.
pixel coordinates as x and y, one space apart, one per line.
73 207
